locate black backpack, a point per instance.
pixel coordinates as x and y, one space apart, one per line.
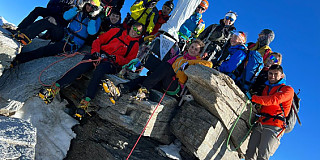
292 118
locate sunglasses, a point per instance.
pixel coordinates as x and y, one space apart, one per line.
274 59
94 8
229 18
136 30
199 7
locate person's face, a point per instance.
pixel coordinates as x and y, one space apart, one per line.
235 40
200 9
135 31
114 18
271 60
194 50
228 21
166 10
274 76
90 7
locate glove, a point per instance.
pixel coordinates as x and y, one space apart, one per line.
149 38
103 56
184 66
111 57
248 95
96 55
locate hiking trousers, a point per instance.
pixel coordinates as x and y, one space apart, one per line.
263 142
49 24
45 51
33 15
165 75
105 67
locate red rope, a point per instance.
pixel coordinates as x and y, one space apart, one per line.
65 57
149 120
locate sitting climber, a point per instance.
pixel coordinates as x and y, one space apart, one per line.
80 27
109 52
260 84
52 17
193 26
169 75
266 36
144 12
237 53
276 101
216 37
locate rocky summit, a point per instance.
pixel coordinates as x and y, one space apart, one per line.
202 128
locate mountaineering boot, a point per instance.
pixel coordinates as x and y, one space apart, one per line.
112 90
22 38
48 94
14 63
82 108
143 94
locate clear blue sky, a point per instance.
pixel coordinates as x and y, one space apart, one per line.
296 25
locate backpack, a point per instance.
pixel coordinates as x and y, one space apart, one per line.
292 117
248 71
117 35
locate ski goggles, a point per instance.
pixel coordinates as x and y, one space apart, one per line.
199 7
136 30
274 59
229 18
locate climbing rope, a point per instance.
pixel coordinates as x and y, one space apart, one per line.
149 120
251 126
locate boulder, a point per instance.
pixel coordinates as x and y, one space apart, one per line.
202 133
218 93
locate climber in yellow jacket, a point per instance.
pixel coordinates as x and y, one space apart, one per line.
144 12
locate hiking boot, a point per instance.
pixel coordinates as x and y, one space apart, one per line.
112 90
48 94
14 63
22 38
143 94
82 108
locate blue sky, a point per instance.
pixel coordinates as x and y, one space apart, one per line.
295 24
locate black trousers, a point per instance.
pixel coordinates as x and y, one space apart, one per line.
33 15
46 51
163 76
49 24
103 68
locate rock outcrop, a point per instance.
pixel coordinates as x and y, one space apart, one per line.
202 126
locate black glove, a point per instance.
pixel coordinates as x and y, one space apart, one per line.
96 55
112 58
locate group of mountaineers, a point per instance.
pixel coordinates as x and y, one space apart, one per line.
254 67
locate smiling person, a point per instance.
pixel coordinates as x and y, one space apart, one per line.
216 37
237 53
260 84
275 101
112 49
82 24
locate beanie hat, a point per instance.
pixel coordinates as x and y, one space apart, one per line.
231 14
241 36
267 38
204 4
169 4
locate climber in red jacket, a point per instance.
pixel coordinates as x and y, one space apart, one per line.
275 106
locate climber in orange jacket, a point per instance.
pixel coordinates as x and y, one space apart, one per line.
265 137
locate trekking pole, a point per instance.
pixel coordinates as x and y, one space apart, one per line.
149 120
